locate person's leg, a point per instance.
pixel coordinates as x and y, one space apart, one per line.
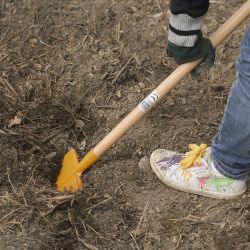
222 173
231 146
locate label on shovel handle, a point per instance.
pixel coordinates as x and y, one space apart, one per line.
149 101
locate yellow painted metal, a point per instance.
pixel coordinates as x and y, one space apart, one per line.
69 177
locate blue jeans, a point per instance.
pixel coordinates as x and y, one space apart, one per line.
231 145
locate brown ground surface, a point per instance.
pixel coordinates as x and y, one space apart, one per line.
61 78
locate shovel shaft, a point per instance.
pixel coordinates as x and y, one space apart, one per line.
154 97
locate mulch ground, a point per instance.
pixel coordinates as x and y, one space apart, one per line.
69 71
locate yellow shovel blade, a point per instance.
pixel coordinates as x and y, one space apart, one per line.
69 177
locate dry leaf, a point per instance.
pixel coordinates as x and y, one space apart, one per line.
37 66
118 94
137 232
79 123
82 145
15 121
33 42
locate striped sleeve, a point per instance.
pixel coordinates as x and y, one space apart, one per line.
185 23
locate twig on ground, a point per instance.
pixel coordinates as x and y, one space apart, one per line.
117 76
241 210
193 219
102 202
24 199
80 45
178 242
57 132
3 4
133 238
61 197
93 15
123 68
2 59
89 246
159 6
10 213
106 107
142 216
8 86
83 224
12 186
5 33
216 2
101 237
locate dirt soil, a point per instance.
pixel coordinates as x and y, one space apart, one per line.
69 71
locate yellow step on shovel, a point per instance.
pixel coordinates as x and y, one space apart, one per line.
69 177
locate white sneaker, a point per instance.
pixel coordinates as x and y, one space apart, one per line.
199 179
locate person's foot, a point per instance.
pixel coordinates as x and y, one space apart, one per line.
202 179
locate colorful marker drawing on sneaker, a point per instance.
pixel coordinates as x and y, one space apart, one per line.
166 161
220 182
199 176
203 180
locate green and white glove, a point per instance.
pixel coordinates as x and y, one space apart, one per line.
186 43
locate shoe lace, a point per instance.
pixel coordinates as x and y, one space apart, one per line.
193 156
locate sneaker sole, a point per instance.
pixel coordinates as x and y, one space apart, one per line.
171 184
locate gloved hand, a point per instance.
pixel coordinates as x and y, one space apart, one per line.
203 48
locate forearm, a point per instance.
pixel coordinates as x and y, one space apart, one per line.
186 20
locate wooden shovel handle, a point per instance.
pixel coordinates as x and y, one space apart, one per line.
150 101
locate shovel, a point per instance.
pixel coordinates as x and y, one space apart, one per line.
69 176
